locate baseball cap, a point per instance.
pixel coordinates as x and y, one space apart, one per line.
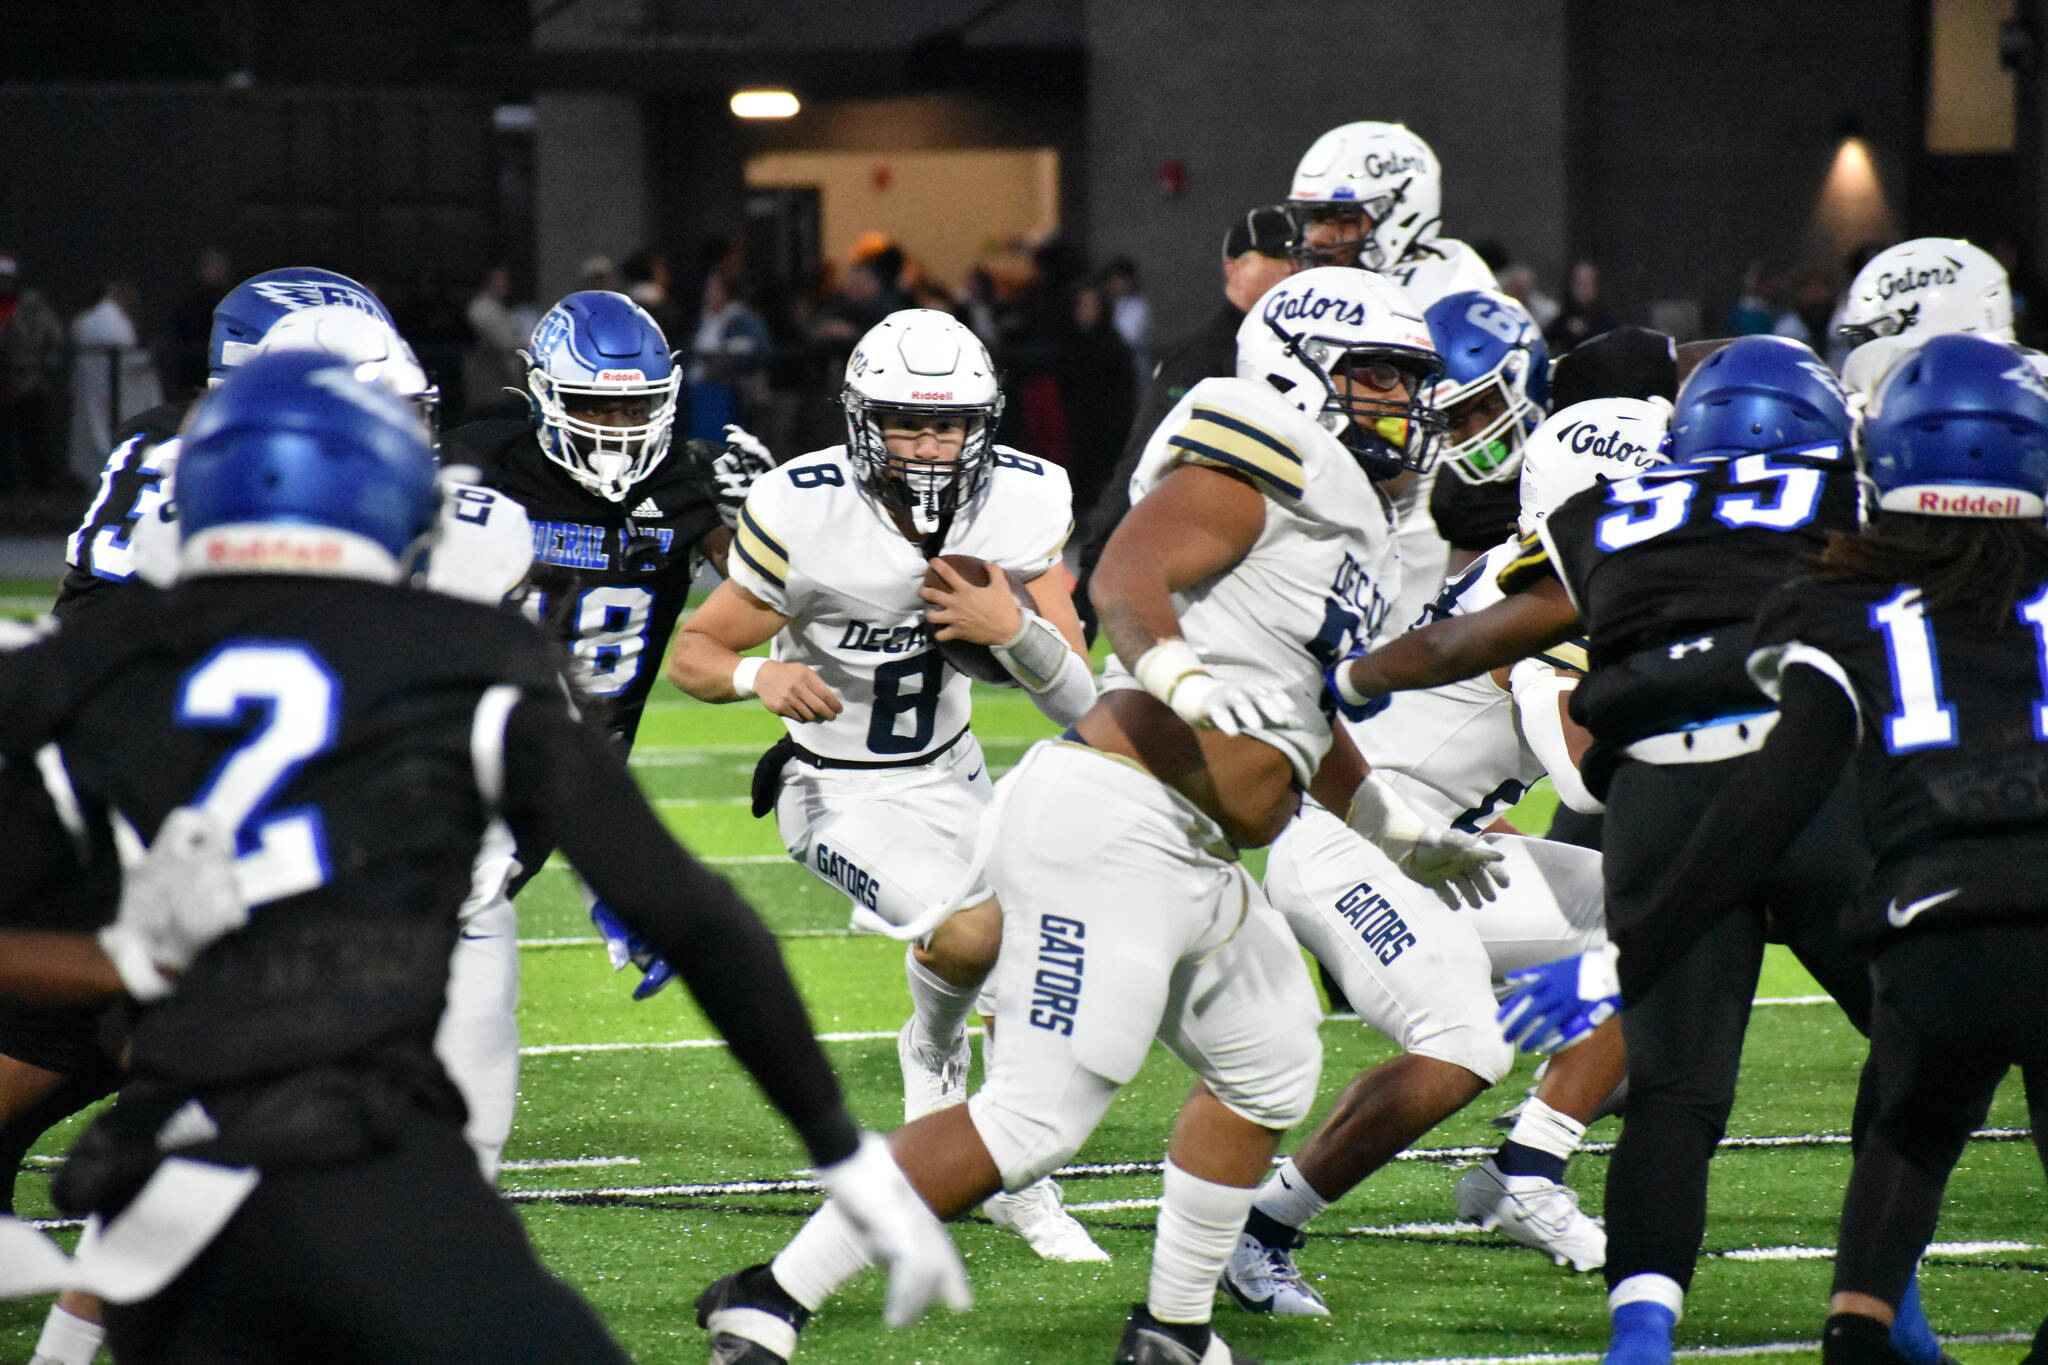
1268 231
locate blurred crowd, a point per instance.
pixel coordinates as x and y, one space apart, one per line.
1074 338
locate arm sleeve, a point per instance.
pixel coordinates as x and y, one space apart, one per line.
565 778
1741 835
1538 688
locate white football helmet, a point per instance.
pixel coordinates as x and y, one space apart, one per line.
926 363
377 351
1320 324
1928 286
1597 441
1380 175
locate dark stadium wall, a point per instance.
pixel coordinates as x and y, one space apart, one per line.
1234 94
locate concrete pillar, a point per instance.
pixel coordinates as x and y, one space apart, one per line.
590 184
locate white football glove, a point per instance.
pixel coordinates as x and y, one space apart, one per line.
1459 867
175 901
1173 672
899 1231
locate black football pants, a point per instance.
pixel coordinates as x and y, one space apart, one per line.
1684 1034
408 1258
1954 1009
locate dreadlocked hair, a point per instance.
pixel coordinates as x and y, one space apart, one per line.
1978 570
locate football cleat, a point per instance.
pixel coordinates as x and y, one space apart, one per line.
752 1320
1264 1279
932 1079
1536 1212
1147 1341
1036 1214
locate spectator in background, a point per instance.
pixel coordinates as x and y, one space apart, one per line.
597 272
1757 309
1257 254
182 361
646 277
492 364
112 377
980 306
31 366
1130 312
1585 314
728 373
1098 392
1813 304
1518 282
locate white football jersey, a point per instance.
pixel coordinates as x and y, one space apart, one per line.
819 551
1456 752
1441 266
483 544
1320 578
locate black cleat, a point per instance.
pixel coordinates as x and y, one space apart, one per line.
1147 1341
752 1319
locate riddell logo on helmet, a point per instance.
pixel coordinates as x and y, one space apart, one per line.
933 396
1906 281
277 552
1935 503
622 376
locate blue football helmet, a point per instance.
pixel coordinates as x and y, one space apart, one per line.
1496 369
293 442
1759 393
1959 428
599 354
251 307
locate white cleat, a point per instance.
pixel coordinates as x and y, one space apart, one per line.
1536 1212
932 1079
1263 1279
1036 1214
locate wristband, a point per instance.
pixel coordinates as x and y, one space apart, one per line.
744 673
1165 666
1340 678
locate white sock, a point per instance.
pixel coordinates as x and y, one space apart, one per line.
68 1339
1659 1289
940 1007
824 1254
1288 1198
1545 1129
1199 1221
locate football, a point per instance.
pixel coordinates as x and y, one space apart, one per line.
978 662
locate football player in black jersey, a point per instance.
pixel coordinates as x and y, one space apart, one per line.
619 526
1915 649
357 735
1664 573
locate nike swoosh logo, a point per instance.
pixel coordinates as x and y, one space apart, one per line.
1900 916
474 937
976 773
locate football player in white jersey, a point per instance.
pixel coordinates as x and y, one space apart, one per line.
879 786
1255 542
1915 290
1370 194
1427 975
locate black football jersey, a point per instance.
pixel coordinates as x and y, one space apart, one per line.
609 578
132 485
331 725
1667 570
1952 759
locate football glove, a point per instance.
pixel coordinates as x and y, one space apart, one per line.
1349 710
899 1232
1173 672
1558 1003
622 946
1459 867
730 468
175 901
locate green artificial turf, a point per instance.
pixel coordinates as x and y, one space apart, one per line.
1400 1289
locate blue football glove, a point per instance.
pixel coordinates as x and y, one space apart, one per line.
1558 1003
622 946
1345 708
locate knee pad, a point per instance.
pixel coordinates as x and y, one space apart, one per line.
899 879
1028 1140
1480 1049
1285 1097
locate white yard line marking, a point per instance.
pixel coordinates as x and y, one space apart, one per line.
566 1162
1765 1348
